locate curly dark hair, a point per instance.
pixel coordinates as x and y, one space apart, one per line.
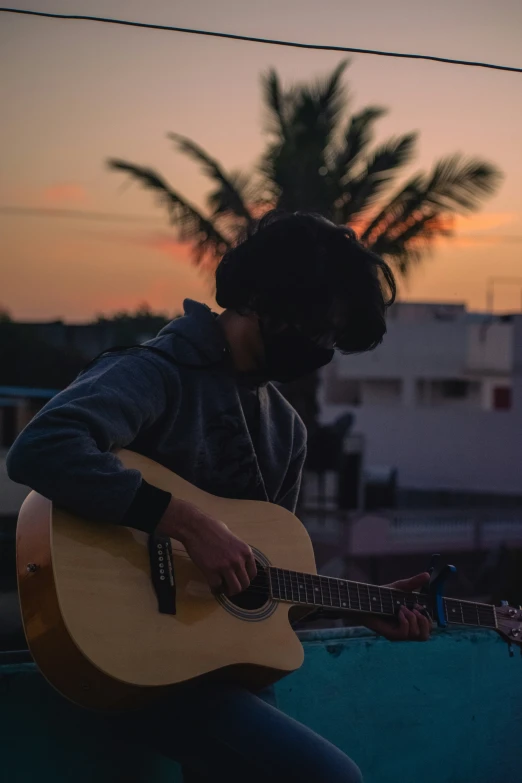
301 269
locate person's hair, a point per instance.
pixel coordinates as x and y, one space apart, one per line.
299 268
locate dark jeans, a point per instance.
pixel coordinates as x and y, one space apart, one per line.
225 733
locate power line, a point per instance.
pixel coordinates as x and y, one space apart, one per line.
77 214
253 39
115 217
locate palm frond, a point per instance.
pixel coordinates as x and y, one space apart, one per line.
191 224
330 94
457 184
314 110
408 245
274 100
395 207
219 200
356 138
295 165
230 192
359 194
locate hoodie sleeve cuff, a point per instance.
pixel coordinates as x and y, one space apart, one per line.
147 508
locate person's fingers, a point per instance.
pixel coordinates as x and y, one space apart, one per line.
251 566
424 626
232 583
403 629
413 623
215 581
413 583
243 577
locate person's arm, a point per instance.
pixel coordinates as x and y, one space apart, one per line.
227 563
64 453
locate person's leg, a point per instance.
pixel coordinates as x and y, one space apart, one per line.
220 732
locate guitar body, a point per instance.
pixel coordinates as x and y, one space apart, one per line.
91 616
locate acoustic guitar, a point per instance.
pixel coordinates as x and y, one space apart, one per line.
113 616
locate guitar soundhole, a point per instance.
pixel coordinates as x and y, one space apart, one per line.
256 595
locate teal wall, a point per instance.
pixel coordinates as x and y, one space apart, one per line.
448 711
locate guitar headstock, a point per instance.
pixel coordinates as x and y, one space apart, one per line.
509 623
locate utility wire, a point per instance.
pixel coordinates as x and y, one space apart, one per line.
115 217
76 214
254 39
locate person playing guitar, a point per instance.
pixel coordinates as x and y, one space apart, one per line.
199 400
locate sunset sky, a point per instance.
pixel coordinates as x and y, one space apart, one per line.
75 93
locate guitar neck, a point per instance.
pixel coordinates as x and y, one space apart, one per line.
331 593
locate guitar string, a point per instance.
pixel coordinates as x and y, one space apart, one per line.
289 575
261 570
486 609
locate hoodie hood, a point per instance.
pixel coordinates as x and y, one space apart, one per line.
195 337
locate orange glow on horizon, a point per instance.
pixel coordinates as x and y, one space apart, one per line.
64 193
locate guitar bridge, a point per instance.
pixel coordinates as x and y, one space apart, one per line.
162 573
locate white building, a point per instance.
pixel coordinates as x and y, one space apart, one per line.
440 399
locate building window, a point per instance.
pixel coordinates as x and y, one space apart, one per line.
455 389
386 391
502 398
341 391
449 392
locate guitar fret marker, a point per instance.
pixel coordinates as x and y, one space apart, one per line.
330 592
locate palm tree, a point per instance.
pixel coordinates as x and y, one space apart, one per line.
318 158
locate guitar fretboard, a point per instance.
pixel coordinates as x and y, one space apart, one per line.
469 613
331 593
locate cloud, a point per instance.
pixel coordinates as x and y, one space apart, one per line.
481 229
64 193
160 241
183 252
168 245
486 221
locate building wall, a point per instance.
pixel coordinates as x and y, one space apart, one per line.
449 447
444 449
420 345
489 348
431 349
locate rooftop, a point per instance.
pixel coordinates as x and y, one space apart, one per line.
447 711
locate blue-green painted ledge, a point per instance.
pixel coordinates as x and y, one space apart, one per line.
447 711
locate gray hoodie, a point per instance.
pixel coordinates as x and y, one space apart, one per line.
184 408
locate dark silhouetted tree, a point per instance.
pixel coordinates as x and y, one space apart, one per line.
320 156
